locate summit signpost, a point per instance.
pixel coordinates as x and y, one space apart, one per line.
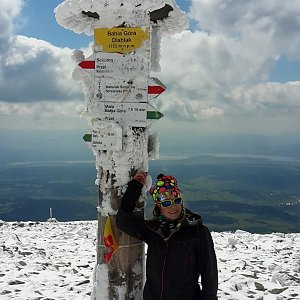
120 109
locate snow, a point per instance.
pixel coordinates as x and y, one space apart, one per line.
114 13
46 260
42 260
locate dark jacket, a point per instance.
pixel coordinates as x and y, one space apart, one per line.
173 264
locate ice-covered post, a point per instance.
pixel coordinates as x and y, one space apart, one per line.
120 95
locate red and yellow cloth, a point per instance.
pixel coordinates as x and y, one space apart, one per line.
109 240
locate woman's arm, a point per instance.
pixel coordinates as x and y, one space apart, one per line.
127 220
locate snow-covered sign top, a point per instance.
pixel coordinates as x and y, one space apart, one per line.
82 16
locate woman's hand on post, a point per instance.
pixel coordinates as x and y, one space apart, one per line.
140 177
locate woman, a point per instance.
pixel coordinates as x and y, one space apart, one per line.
180 247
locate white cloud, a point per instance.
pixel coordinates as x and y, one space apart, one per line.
35 70
269 26
219 70
42 115
42 109
9 10
186 110
204 63
222 68
35 77
284 97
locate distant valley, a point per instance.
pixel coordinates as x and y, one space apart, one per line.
257 194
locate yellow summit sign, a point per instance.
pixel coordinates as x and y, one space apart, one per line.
123 40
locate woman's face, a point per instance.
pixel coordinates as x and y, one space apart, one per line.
171 212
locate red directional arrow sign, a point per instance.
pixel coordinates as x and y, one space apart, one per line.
87 64
155 88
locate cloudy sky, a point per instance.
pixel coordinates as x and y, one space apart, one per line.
236 70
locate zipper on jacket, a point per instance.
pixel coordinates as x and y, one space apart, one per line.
162 273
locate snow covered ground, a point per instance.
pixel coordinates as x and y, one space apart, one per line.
56 261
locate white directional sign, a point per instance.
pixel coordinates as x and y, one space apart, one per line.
107 138
121 65
135 89
131 114
101 64
116 89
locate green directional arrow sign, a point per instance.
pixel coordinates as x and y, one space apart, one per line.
135 114
154 115
87 137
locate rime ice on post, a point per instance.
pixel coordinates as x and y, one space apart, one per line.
120 97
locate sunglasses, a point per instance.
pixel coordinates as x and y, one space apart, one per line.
167 203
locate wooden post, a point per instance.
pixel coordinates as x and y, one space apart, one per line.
127 265
126 268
